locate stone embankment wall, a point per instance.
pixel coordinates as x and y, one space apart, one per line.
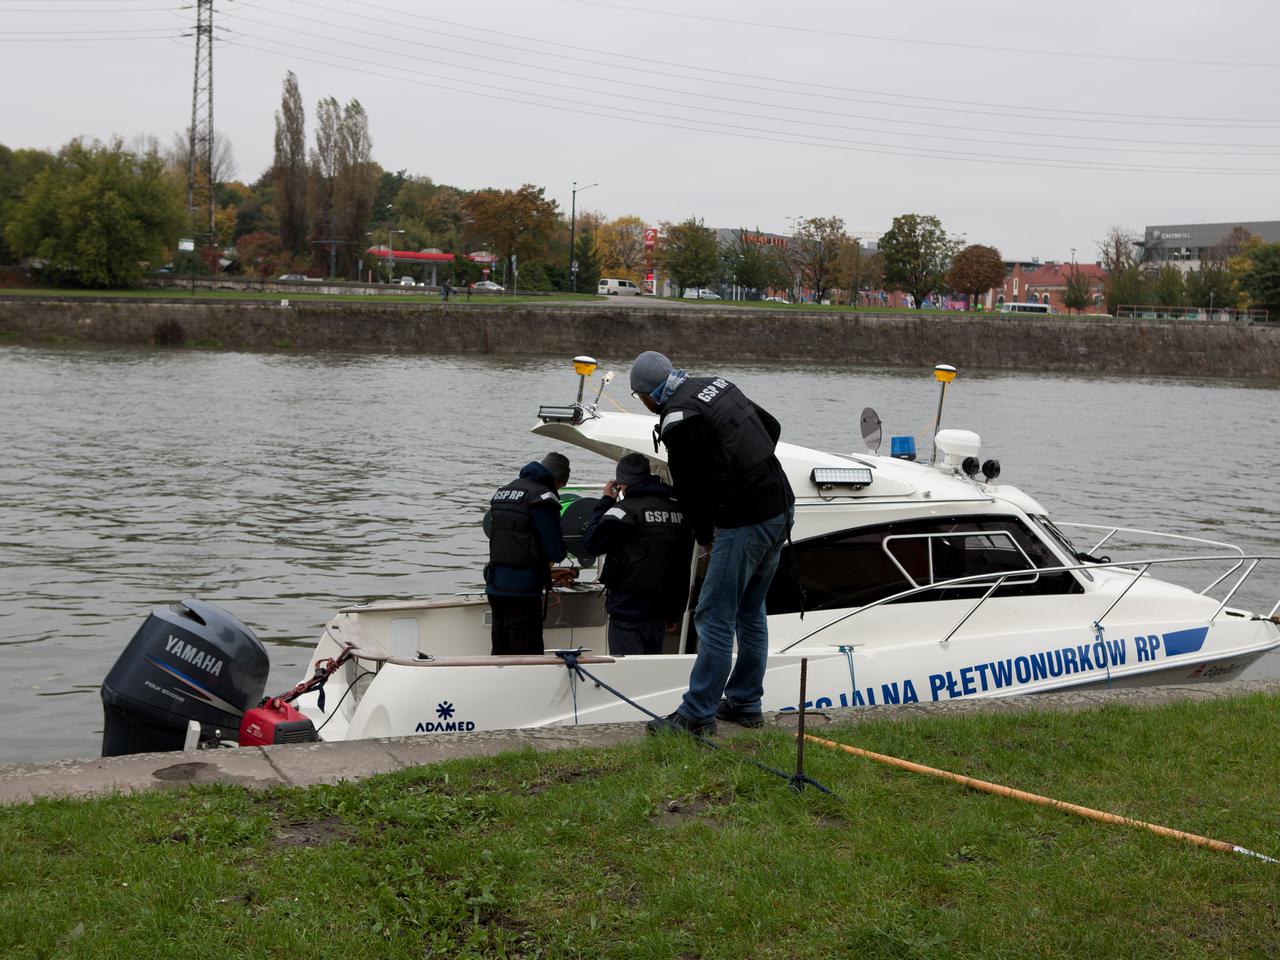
989 341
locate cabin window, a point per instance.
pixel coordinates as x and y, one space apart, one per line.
855 567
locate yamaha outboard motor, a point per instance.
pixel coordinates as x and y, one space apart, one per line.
189 661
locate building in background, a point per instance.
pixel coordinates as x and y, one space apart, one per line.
1187 244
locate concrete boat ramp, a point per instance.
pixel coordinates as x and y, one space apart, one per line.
302 765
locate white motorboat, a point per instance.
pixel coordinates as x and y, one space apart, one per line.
905 582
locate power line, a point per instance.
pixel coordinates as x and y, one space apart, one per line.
1177 147
750 133
884 38
615 55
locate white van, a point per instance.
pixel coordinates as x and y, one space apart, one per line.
614 288
1025 308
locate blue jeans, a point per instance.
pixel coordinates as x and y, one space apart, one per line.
743 561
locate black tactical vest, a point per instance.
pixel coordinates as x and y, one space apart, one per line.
655 562
513 541
743 443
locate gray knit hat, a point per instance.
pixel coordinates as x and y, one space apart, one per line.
649 370
558 465
633 468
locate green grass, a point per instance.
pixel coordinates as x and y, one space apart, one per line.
177 293
667 850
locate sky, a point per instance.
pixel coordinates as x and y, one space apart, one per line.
1031 127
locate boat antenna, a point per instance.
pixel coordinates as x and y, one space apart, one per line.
944 373
604 382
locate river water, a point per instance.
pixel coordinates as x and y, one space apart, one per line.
282 486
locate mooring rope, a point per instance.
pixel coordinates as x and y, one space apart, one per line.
570 658
1002 791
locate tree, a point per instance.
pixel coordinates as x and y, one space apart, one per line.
621 243
689 253
18 170
1211 287
263 254
1168 288
510 222
752 264
858 270
344 179
588 256
1129 286
97 215
975 270
1079 292
917 253
289 169
1261 281
1120 256
815 253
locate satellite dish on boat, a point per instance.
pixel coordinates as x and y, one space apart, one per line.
870 423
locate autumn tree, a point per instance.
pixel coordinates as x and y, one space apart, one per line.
96 215
1211 287
519 222
858 269
1079 291
975 270
815 252
917 254
622 250
689 253
289 168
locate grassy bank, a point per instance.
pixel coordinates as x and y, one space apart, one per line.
301 295
666 849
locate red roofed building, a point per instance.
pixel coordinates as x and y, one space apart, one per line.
1047 283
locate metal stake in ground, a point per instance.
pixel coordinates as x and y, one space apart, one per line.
799 780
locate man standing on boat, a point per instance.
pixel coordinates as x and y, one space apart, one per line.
647 545
733 489
524 540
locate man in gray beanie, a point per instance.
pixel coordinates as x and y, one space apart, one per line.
524 540
647 546
736 495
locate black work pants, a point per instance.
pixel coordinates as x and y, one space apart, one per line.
629 638
517 625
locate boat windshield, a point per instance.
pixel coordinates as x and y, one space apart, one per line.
1062 540
850 568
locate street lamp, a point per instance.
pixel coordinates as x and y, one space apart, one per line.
391 254
573 218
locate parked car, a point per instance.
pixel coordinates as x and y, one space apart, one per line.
487 285
776 300
406 282
613 288
700 293
292 276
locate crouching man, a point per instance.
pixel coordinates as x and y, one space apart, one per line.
647 545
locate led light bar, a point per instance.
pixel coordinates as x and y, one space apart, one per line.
553 414
827 477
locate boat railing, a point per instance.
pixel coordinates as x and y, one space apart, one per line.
994 580
1111 531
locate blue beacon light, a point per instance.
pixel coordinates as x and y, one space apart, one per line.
903 448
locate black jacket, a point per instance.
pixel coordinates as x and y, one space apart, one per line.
647 544
721 476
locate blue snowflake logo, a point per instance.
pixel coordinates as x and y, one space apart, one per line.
444 710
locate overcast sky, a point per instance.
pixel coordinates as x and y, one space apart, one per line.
1029 126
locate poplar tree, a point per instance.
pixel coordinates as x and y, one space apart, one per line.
289 171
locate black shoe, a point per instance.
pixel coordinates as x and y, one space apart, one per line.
679 723
744 718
